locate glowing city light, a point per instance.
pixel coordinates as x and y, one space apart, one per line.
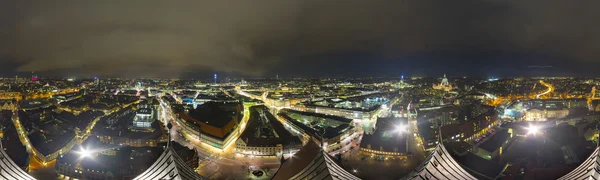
83 153
401 128
533 129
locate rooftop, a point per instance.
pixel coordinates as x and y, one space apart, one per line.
479 167
386 136
215 114
144 111
495 141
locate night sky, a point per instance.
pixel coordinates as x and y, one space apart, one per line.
299 38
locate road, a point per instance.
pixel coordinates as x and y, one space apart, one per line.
549 90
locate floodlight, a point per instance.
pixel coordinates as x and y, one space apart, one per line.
400 128
533 129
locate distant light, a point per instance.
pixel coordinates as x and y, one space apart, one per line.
355 171
70 79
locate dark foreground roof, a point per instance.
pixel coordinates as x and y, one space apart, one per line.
9 170
589 169
439 165
169 166
312 163
481 168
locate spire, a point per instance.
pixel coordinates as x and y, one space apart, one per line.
444 75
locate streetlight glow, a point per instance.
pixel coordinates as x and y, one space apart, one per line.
400 128
533 129
84 153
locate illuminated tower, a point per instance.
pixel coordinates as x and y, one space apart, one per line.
34 77
215 77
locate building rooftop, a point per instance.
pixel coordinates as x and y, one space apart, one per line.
479 167
170 166
495 141
215 114
126 162
336 118
10 141
121 128
386 138
271 130
312 163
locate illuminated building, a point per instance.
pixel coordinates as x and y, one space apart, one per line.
346 113
331 130
8 105
444 85
143 118
544 114
212 123
116 162
10 96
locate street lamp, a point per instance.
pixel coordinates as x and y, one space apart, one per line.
533 129
83 153
400 128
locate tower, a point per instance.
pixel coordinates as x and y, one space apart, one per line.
215 78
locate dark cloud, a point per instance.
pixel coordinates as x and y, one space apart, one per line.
172 38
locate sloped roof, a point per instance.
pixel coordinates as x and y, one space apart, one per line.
9 170
311 162
169 166
589 169
439 165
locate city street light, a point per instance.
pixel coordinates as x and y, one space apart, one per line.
83 153
400 128
355 171
533 129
